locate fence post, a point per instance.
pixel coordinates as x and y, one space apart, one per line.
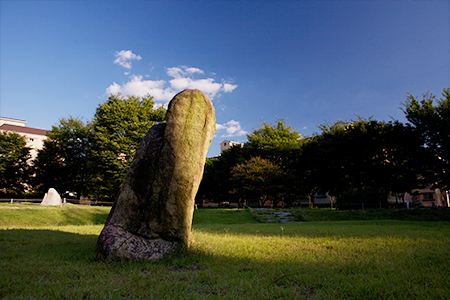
362 206
12 200
64 203
380 205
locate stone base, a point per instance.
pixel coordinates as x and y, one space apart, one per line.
118 243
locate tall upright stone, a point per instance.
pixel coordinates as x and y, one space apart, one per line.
152 214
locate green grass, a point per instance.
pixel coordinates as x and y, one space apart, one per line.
232 256
36 215
373 214
223 216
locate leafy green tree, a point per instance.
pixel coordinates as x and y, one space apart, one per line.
278 143
430 118
360 155
309 167
257 178
63 162
384 153
14 167
119 126
216 185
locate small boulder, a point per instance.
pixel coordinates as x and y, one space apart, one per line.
51 198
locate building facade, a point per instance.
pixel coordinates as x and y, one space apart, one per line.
225 145
423 198
33 136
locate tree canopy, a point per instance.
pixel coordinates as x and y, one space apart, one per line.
216 183
361 158
119 125
277 143
257 178
430 118
14 168
361 154
63 162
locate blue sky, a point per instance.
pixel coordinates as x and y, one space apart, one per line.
305 61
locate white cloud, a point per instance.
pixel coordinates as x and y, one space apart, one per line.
138 87
113 89
182 79
164 91
175 72
207 86
125 57
232 128
228 87
183 71
194 70
220 126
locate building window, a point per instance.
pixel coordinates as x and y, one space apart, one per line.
427 197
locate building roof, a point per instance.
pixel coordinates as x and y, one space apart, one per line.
12 121
22 129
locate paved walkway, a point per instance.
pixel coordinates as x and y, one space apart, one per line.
268 215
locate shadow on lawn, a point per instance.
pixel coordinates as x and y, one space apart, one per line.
46 245
65 263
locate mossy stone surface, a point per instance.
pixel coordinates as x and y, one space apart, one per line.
153 212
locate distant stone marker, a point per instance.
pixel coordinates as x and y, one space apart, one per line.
51 198
152 214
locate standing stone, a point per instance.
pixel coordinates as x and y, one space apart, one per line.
152 214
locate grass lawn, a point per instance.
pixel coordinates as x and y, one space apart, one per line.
49 254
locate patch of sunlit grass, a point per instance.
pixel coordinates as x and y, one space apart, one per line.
381 259
354 260
19 215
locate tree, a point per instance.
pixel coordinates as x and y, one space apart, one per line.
430 118
361 155
257 178
281 145
319 166
277 143
14 168
216 185
119 126
63 161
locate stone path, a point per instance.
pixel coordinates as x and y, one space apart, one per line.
267 215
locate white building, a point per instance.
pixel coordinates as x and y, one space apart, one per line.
225 145
33 136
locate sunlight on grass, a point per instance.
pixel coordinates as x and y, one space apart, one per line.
53 216
240 259
380 265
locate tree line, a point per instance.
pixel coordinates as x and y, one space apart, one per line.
353 161
350 160
87 159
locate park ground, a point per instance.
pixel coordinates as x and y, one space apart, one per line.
375 254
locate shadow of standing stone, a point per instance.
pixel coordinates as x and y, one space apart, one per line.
152 214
